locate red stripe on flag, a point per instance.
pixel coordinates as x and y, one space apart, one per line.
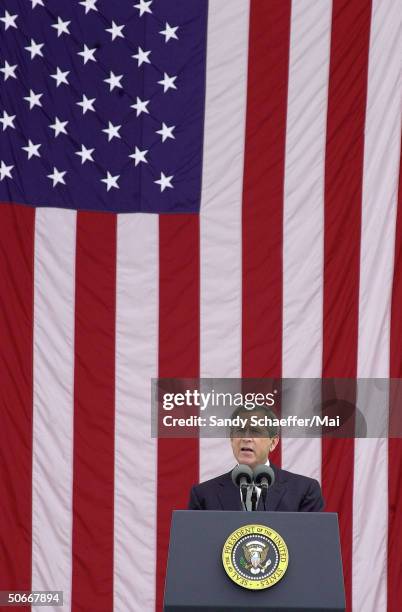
395 444
179 348
264 174
343 195
17 227
93 489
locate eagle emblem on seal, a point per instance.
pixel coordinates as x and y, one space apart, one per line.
255 553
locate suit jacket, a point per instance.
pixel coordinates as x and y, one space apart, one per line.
290 493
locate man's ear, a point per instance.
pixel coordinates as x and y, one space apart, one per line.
274 443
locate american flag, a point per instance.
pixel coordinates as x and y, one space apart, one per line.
272 130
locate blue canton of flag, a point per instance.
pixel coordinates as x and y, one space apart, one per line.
102 104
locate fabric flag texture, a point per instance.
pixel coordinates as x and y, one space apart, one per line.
205 188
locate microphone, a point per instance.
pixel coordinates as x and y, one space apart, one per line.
264 477
242 476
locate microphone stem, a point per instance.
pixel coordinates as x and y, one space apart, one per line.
254 499
244 494
264 492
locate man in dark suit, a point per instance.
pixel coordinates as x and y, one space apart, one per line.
251 445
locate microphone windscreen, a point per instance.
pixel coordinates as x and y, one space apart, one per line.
264 471
242 471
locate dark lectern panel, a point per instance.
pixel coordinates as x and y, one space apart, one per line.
197 582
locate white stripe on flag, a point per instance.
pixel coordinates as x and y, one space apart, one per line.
53 404
381 165
135 450
220 222
304 211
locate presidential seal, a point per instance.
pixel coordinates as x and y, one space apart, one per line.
255 557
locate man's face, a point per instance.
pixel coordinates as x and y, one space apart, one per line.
249 446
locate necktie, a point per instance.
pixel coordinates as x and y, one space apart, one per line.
248 497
